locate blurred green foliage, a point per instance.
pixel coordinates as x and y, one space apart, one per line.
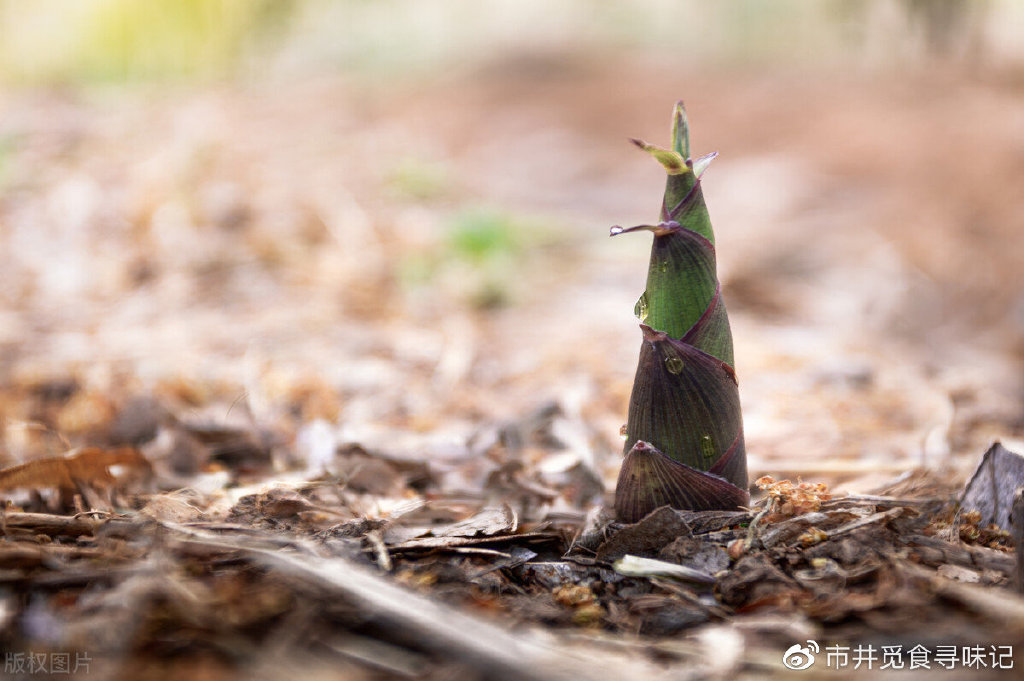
482 235
68 41
419 179
115 40
482 254
8 144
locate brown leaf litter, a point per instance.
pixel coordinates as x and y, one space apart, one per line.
409 572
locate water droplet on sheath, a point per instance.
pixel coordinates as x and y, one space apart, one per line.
615 230
641 309
663 266
674 365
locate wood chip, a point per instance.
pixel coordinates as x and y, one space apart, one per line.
990 488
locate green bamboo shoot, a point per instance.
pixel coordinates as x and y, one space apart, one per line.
684 433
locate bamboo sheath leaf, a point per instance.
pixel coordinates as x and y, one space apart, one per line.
684 433
653 480
684 401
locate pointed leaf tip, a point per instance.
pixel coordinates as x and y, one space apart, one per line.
660 229
702 163
681 131
673 162
653 335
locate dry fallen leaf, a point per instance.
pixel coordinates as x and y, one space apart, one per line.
787 499
89 466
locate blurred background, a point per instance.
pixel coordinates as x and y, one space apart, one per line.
393 216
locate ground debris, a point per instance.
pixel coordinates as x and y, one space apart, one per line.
786 499
645 537
357 565
989 492
86 472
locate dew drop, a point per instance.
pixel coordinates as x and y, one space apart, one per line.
641 309
663 266
615 230
674 365
623 432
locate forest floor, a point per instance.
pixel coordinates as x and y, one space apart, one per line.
342 369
